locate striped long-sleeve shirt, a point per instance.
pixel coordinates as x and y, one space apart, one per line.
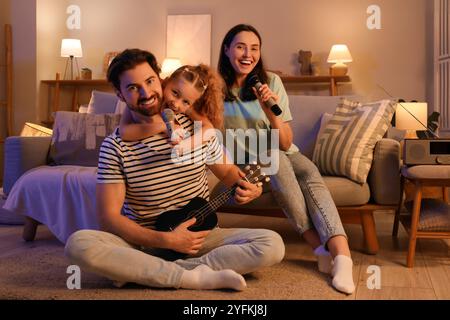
156 181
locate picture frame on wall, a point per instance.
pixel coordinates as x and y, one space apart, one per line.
189 38
109 56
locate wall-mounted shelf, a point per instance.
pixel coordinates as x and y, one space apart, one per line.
57 84
331 80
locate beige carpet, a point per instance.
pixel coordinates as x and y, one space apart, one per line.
37 270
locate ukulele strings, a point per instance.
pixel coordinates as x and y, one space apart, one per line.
205 210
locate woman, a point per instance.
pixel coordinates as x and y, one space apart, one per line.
298 186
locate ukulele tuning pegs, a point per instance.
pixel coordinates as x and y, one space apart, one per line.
247 168
267 179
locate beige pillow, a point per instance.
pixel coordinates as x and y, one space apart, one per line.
345 147
324 119
77 137
34 130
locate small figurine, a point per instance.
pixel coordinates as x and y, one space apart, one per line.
86 74
304 58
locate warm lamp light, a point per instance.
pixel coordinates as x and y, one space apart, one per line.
169 66
71 48
411 116
339 54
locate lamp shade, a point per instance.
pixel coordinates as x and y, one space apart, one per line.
404 119
71 48
169 66
339 53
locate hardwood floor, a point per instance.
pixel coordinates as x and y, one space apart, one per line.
429 279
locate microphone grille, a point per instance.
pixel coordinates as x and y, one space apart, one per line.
253 79
168 115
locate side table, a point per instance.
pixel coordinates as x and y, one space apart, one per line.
421 176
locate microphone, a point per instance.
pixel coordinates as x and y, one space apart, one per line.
254 81
175 135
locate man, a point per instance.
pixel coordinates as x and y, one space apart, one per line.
141 177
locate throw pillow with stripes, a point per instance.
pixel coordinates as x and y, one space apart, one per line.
345 147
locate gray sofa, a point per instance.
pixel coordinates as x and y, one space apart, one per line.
356 203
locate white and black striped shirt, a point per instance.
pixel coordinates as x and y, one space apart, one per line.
155 181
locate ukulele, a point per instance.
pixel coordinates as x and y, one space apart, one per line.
204 211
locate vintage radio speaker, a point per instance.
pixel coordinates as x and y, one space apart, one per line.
426 151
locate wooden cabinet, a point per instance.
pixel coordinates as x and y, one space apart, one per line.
57 84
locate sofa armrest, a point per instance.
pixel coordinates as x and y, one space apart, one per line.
21 155
384 175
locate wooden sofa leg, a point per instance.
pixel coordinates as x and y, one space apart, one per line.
29 229
370 233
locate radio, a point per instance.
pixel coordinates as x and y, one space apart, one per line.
426 151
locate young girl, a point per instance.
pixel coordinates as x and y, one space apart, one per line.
196 91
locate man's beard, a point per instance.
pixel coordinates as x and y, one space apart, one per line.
147 112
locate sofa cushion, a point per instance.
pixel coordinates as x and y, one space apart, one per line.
346 192
346 146
343 191
77 137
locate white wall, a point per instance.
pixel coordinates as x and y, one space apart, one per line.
5 15
50 28
4 18
23 20
395 57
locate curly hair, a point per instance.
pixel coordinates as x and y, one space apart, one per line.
210 85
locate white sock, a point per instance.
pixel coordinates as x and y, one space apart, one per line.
343 274
324 259
205 278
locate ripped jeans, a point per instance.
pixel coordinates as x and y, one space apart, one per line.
299 189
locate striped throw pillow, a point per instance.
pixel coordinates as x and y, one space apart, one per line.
345 147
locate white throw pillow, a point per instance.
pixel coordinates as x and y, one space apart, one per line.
102 102
120 107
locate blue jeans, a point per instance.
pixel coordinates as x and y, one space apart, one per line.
106 254
299 189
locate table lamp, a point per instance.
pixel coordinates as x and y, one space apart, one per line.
169 66
71 48
411 116
339 54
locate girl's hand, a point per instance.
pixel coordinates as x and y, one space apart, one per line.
177 135
264 94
